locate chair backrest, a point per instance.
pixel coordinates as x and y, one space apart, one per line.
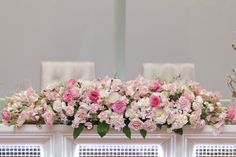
168 71
62 71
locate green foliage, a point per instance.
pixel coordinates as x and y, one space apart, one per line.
102 128
179 131
127 132
77 131
143 133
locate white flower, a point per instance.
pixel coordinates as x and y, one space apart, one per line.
58 105
103 93
180 121
113 97
199 99
197 106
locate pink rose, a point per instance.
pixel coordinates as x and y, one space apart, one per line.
71 83
48 118
154 100
119 106
149 126
155 86
231 112
94 95
6 115
69 110
136 124
69 95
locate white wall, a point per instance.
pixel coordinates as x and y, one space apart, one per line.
198 31
35 31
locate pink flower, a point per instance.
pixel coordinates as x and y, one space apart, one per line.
6 115
69 95
188 95
48 118
82 115
104 116
89 125
93 108
155 86
183 101
94 95
198 89
231 112
142 91
119 106
154 100
136 124
150 126
69 110
71 83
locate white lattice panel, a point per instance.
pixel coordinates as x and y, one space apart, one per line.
214 151
21 151
117 150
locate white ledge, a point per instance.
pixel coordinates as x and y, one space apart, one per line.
67 129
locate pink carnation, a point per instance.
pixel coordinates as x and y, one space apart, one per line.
155 86
154 100
6 115
119 106
48 118
71 83
69 95
136 124
94 95
93 108
104 116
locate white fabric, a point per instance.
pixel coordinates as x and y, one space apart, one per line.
169 71
62 71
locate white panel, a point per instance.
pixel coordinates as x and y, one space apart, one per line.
214 150
21 151
118 150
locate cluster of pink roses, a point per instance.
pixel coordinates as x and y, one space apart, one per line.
140 105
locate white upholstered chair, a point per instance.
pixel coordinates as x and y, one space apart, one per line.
62 71
168 71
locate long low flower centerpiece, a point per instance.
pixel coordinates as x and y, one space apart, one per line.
137 105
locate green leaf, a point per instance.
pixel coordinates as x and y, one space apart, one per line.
159 126
102 128
77 131
143 133
178 131
127 132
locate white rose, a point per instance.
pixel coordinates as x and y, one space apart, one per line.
57 105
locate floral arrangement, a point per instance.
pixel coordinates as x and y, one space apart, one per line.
138 105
